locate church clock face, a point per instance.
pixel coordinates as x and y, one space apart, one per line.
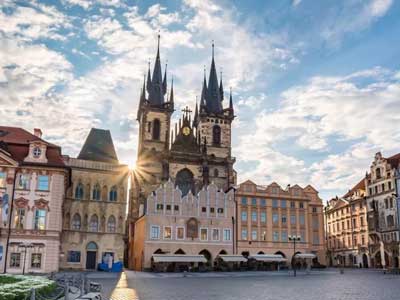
186 130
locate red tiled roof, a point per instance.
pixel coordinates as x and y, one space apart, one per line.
394 160
358 186
17 143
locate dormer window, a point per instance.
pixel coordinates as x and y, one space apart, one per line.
37 152
378 173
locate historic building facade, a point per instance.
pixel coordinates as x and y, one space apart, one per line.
347 229
383 216
32 188
95 205
188 225
193 153
268 215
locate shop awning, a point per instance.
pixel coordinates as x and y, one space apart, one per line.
305 255
178 258
232 258
268 257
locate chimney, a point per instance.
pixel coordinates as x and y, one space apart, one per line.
37 132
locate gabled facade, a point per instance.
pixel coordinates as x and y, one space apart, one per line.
33 177
383 222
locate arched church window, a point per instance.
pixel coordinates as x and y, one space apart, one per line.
79 191
184 180
94 224
111 224
76 222
216 135
96 192
113 194
156 129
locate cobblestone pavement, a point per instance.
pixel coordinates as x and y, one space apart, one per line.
326 285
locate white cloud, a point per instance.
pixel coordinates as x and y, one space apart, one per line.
296 2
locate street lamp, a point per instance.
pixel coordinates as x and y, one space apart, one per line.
294 239
24 246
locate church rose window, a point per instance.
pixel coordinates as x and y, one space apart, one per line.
185 182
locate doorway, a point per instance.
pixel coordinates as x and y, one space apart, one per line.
365 260
91 256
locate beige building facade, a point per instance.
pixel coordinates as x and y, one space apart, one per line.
347 229
268 215
32 188
199 224
95 206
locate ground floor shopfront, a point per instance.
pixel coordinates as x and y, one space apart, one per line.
349 258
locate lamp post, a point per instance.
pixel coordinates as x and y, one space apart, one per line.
24 246
294 239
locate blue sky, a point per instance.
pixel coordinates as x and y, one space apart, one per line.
316 84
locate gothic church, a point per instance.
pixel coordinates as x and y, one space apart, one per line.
193 152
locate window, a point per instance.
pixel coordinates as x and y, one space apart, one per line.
283 203
275 236
263 202
94 223
292 204
96 192
301 205
148 126
37 152
391 202
244 201
176 207
254 235
156 129
315 223
167 232
212 210
314 210
378 173
168 207
23 182
2 179
216 135
36 260
215 234
216 173
79 191
40 219
244 216
293 219
274 203
264 235
354 223
113 194
315 238
275 218
244 234
390 221
284 220
111 224
370 191
74 256
362 221
383 187
204 234
284 236
155 232
389 185
263 217
302 219
302 236
220 210
254 216
15 260
43 183
253 201
227 234
19 220
376 189
76 222
180 233
160 206
204 209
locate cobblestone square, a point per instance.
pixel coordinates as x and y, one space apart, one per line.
327 285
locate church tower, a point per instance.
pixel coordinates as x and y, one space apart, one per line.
154 117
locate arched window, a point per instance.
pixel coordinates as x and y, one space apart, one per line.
111 224
76 222
216 135
96 192
91 246
156 129
113 194
185 182
94 223
378 173
79 191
